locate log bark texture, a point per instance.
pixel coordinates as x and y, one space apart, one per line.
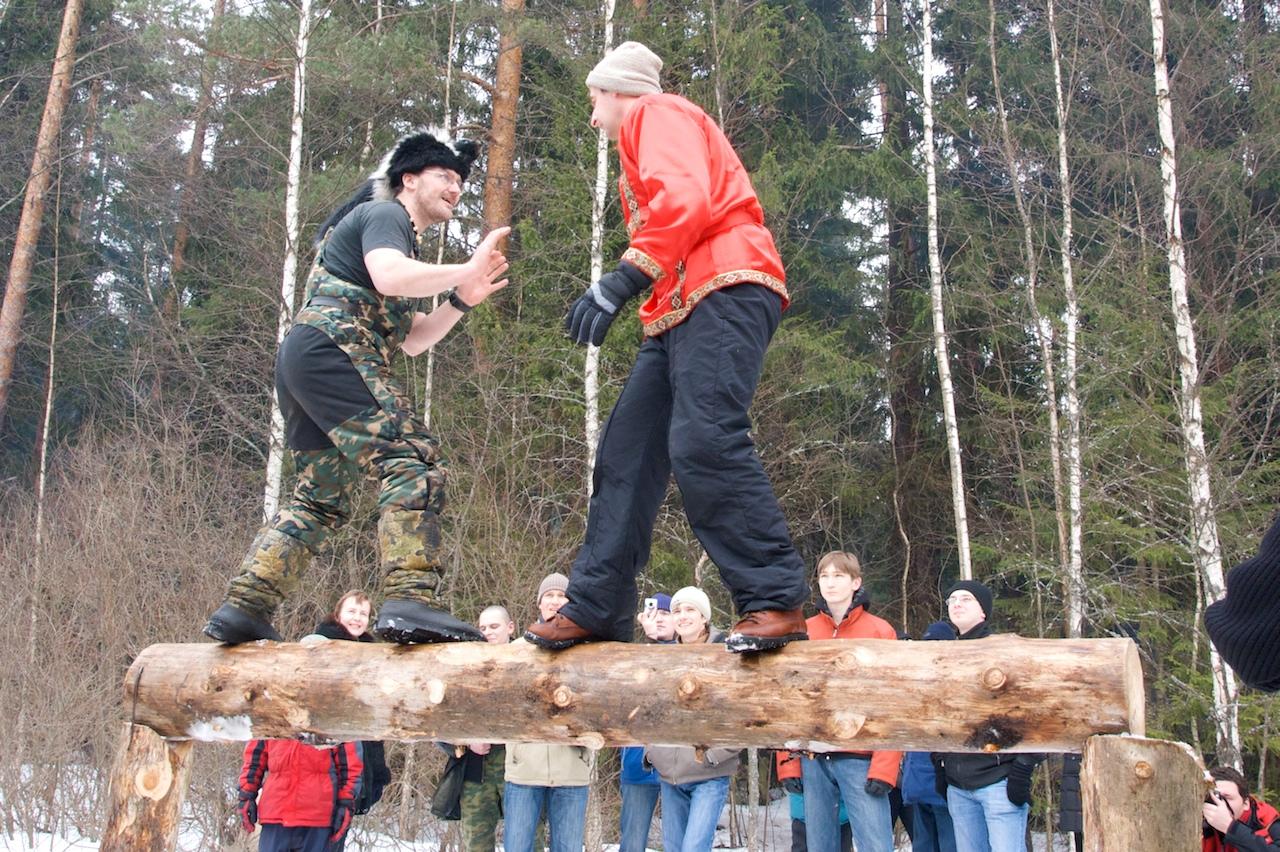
1141 795
148 786
1004 693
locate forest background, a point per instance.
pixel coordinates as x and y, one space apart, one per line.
157 281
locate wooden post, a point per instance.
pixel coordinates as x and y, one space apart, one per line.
1004 693
1141 795
148 786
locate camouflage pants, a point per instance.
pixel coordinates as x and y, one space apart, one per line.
346 415
482 804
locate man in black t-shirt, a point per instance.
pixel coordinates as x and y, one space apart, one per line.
345 414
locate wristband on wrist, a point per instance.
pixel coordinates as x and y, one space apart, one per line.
456 301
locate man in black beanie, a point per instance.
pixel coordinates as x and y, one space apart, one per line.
1245 625
988 795
344 412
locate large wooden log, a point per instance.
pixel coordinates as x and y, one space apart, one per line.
148 787
1002 693
1141 795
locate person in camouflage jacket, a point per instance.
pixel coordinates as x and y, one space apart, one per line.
345 413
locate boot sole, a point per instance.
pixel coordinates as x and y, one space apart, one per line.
229 634
553 644
739 643
421 636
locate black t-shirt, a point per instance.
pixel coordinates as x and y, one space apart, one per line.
372 225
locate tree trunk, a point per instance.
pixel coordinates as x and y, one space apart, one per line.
24 246
1004 693
192 169
1141 795
1205 548
501 155
939 320
915 503
1043 327
289 277
1075 587
148 785
86 156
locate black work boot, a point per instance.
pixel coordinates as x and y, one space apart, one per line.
412 622
233 625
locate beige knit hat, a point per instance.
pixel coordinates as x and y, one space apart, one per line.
555 581
628 69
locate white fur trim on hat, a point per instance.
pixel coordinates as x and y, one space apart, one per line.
628 69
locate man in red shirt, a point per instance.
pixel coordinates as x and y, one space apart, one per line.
717 291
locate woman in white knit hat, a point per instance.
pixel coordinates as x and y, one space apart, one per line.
693 791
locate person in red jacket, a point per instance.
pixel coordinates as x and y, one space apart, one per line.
1234 819
860 779
308 793
717 290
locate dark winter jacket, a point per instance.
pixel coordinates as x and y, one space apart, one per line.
1243 625
859 623
1257 830
975 771
300 784
376 775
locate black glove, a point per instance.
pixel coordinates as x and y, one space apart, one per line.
1019 784
341 819
795 785
876 787
248 809
589 318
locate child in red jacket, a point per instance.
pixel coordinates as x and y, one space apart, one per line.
308 793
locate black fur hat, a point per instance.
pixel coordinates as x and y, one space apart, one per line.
421 150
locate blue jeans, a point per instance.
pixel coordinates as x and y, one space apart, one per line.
986 821
827 782
280 838
931 828
522 806
690 813
638 802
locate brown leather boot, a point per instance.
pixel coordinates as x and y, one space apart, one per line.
766 629
558 633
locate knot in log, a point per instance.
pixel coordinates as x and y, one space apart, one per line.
688 688
562 697
994 679
1144 770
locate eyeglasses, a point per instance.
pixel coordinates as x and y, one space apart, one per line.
961 597
450 178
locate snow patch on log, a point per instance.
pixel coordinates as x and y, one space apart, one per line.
220 729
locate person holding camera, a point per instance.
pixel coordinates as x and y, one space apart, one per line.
1234 819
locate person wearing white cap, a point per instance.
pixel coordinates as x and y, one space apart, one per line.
717 290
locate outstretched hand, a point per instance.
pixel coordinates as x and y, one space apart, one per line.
487 266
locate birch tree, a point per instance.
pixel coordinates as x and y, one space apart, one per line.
289 276
1041 324
1205 549
23 259
1075 564
939 319
591 370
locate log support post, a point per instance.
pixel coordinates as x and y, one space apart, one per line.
1141 795
148 787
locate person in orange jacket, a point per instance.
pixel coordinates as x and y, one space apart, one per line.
308 793
717 290
860 779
